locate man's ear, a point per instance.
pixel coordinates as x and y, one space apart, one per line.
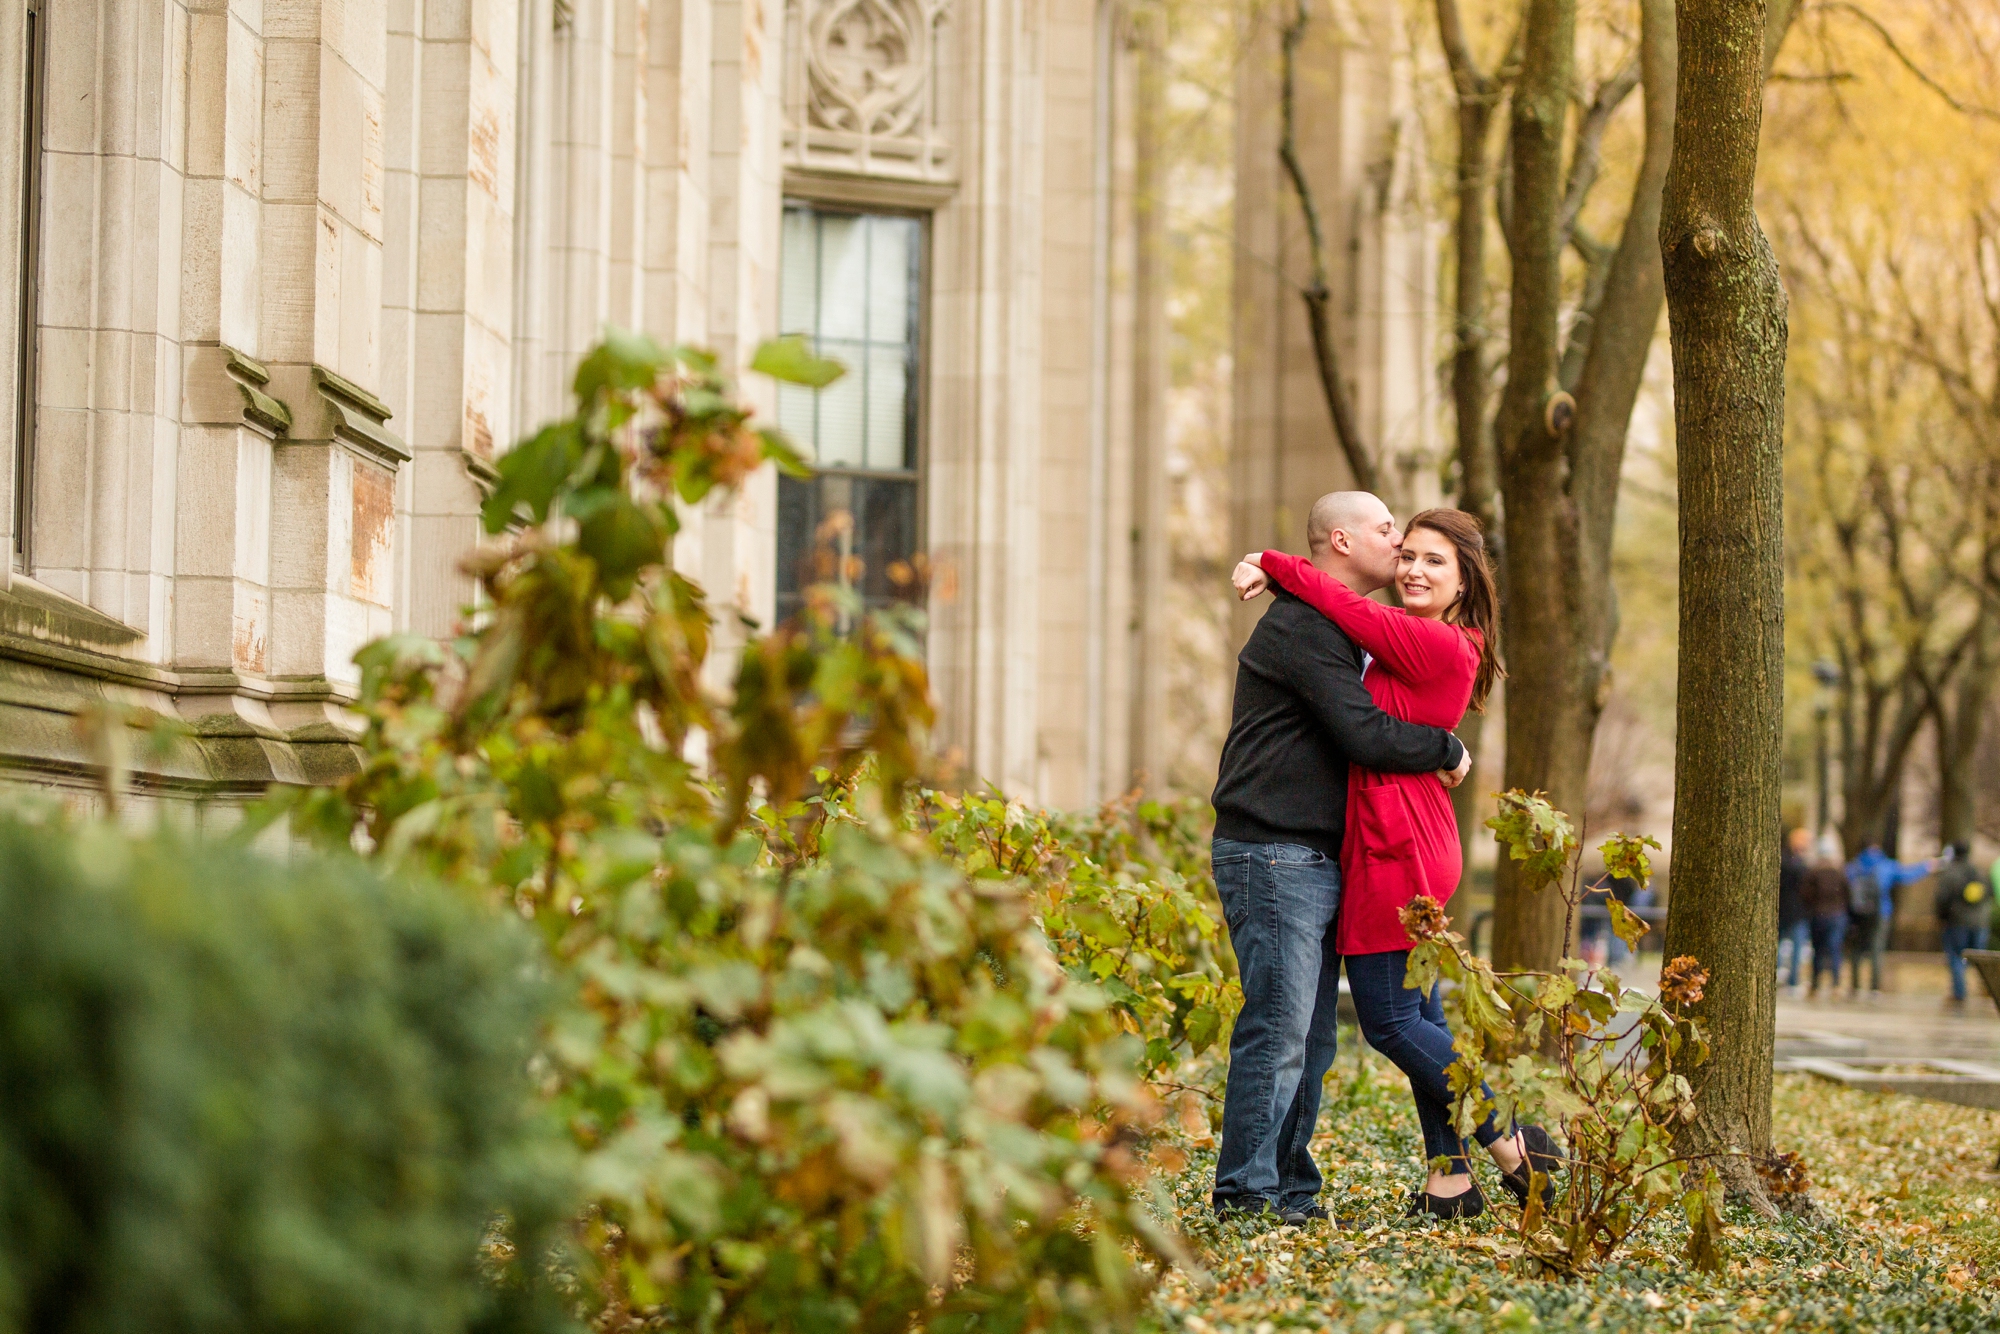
1339 542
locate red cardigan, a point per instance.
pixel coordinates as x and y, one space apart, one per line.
1402 838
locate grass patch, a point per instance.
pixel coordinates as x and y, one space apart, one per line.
1910 1240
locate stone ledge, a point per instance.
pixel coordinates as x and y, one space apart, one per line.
1966 1083
221 755
37 612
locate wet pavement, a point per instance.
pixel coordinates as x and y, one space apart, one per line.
1909 1019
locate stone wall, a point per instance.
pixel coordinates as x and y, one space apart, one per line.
306 266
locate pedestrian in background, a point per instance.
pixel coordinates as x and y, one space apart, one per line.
1872 881
1824 891
1964 904
1794 928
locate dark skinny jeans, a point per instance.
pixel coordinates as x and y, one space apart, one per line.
1828 933
1410 1030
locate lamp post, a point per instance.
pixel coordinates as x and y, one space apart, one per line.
1827 674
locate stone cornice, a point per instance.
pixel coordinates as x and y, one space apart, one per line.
359 419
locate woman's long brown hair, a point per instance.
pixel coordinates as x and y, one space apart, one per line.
1478 605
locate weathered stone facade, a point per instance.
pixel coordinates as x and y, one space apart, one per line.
279 278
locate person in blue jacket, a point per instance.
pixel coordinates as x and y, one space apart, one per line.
1872 881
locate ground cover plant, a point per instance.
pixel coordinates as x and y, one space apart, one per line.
1906 1233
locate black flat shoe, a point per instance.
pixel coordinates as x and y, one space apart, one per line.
1541 1157
1471 1204
1299 1215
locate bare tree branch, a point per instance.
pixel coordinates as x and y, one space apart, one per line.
1587 159
1317 293
1957 104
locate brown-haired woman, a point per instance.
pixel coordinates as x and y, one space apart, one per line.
1432 657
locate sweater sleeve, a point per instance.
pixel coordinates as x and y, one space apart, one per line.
1323 669
1410 646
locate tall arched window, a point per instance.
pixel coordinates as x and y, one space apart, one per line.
852 283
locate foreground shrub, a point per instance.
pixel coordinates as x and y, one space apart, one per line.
245 1096
822 1078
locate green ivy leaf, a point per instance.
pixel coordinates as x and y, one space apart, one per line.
530 475
790 360
1535 834
1627 925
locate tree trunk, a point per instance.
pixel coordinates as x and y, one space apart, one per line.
1727 310
1959 724
1478 97
1879 726
1528 928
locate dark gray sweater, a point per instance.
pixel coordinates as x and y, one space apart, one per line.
1301 716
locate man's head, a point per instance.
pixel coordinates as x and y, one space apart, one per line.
1353 537
1800 841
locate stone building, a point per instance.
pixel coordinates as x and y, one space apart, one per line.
278 278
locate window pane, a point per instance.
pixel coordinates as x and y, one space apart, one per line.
885 533
887 399
891 246
840 409
843 276
798 506
795 417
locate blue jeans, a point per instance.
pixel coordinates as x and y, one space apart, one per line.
1957 940
1827 935
1798 935
1279 900
1410 1030
1871 937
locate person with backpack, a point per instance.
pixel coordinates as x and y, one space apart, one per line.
1872 881
1824 895
1964 903
1794 927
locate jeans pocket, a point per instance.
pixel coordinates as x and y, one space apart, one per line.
1293 854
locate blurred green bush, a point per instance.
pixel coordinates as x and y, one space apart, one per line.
249 1095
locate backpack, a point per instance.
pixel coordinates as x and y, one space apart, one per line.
1864 895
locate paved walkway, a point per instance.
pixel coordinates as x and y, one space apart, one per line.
1909 1019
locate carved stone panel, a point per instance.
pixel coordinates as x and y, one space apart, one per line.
861 93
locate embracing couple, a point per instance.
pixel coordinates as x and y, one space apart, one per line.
1331 814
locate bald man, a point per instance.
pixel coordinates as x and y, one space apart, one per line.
1301 716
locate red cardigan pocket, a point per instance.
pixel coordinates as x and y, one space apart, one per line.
1387 833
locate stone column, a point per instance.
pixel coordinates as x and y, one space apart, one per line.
334 475
984 480
1150 627
114 150
738 532
454 263
222 556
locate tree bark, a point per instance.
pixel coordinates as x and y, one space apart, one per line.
1528 927
1561 493
1478 487
1959 717
1727 312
